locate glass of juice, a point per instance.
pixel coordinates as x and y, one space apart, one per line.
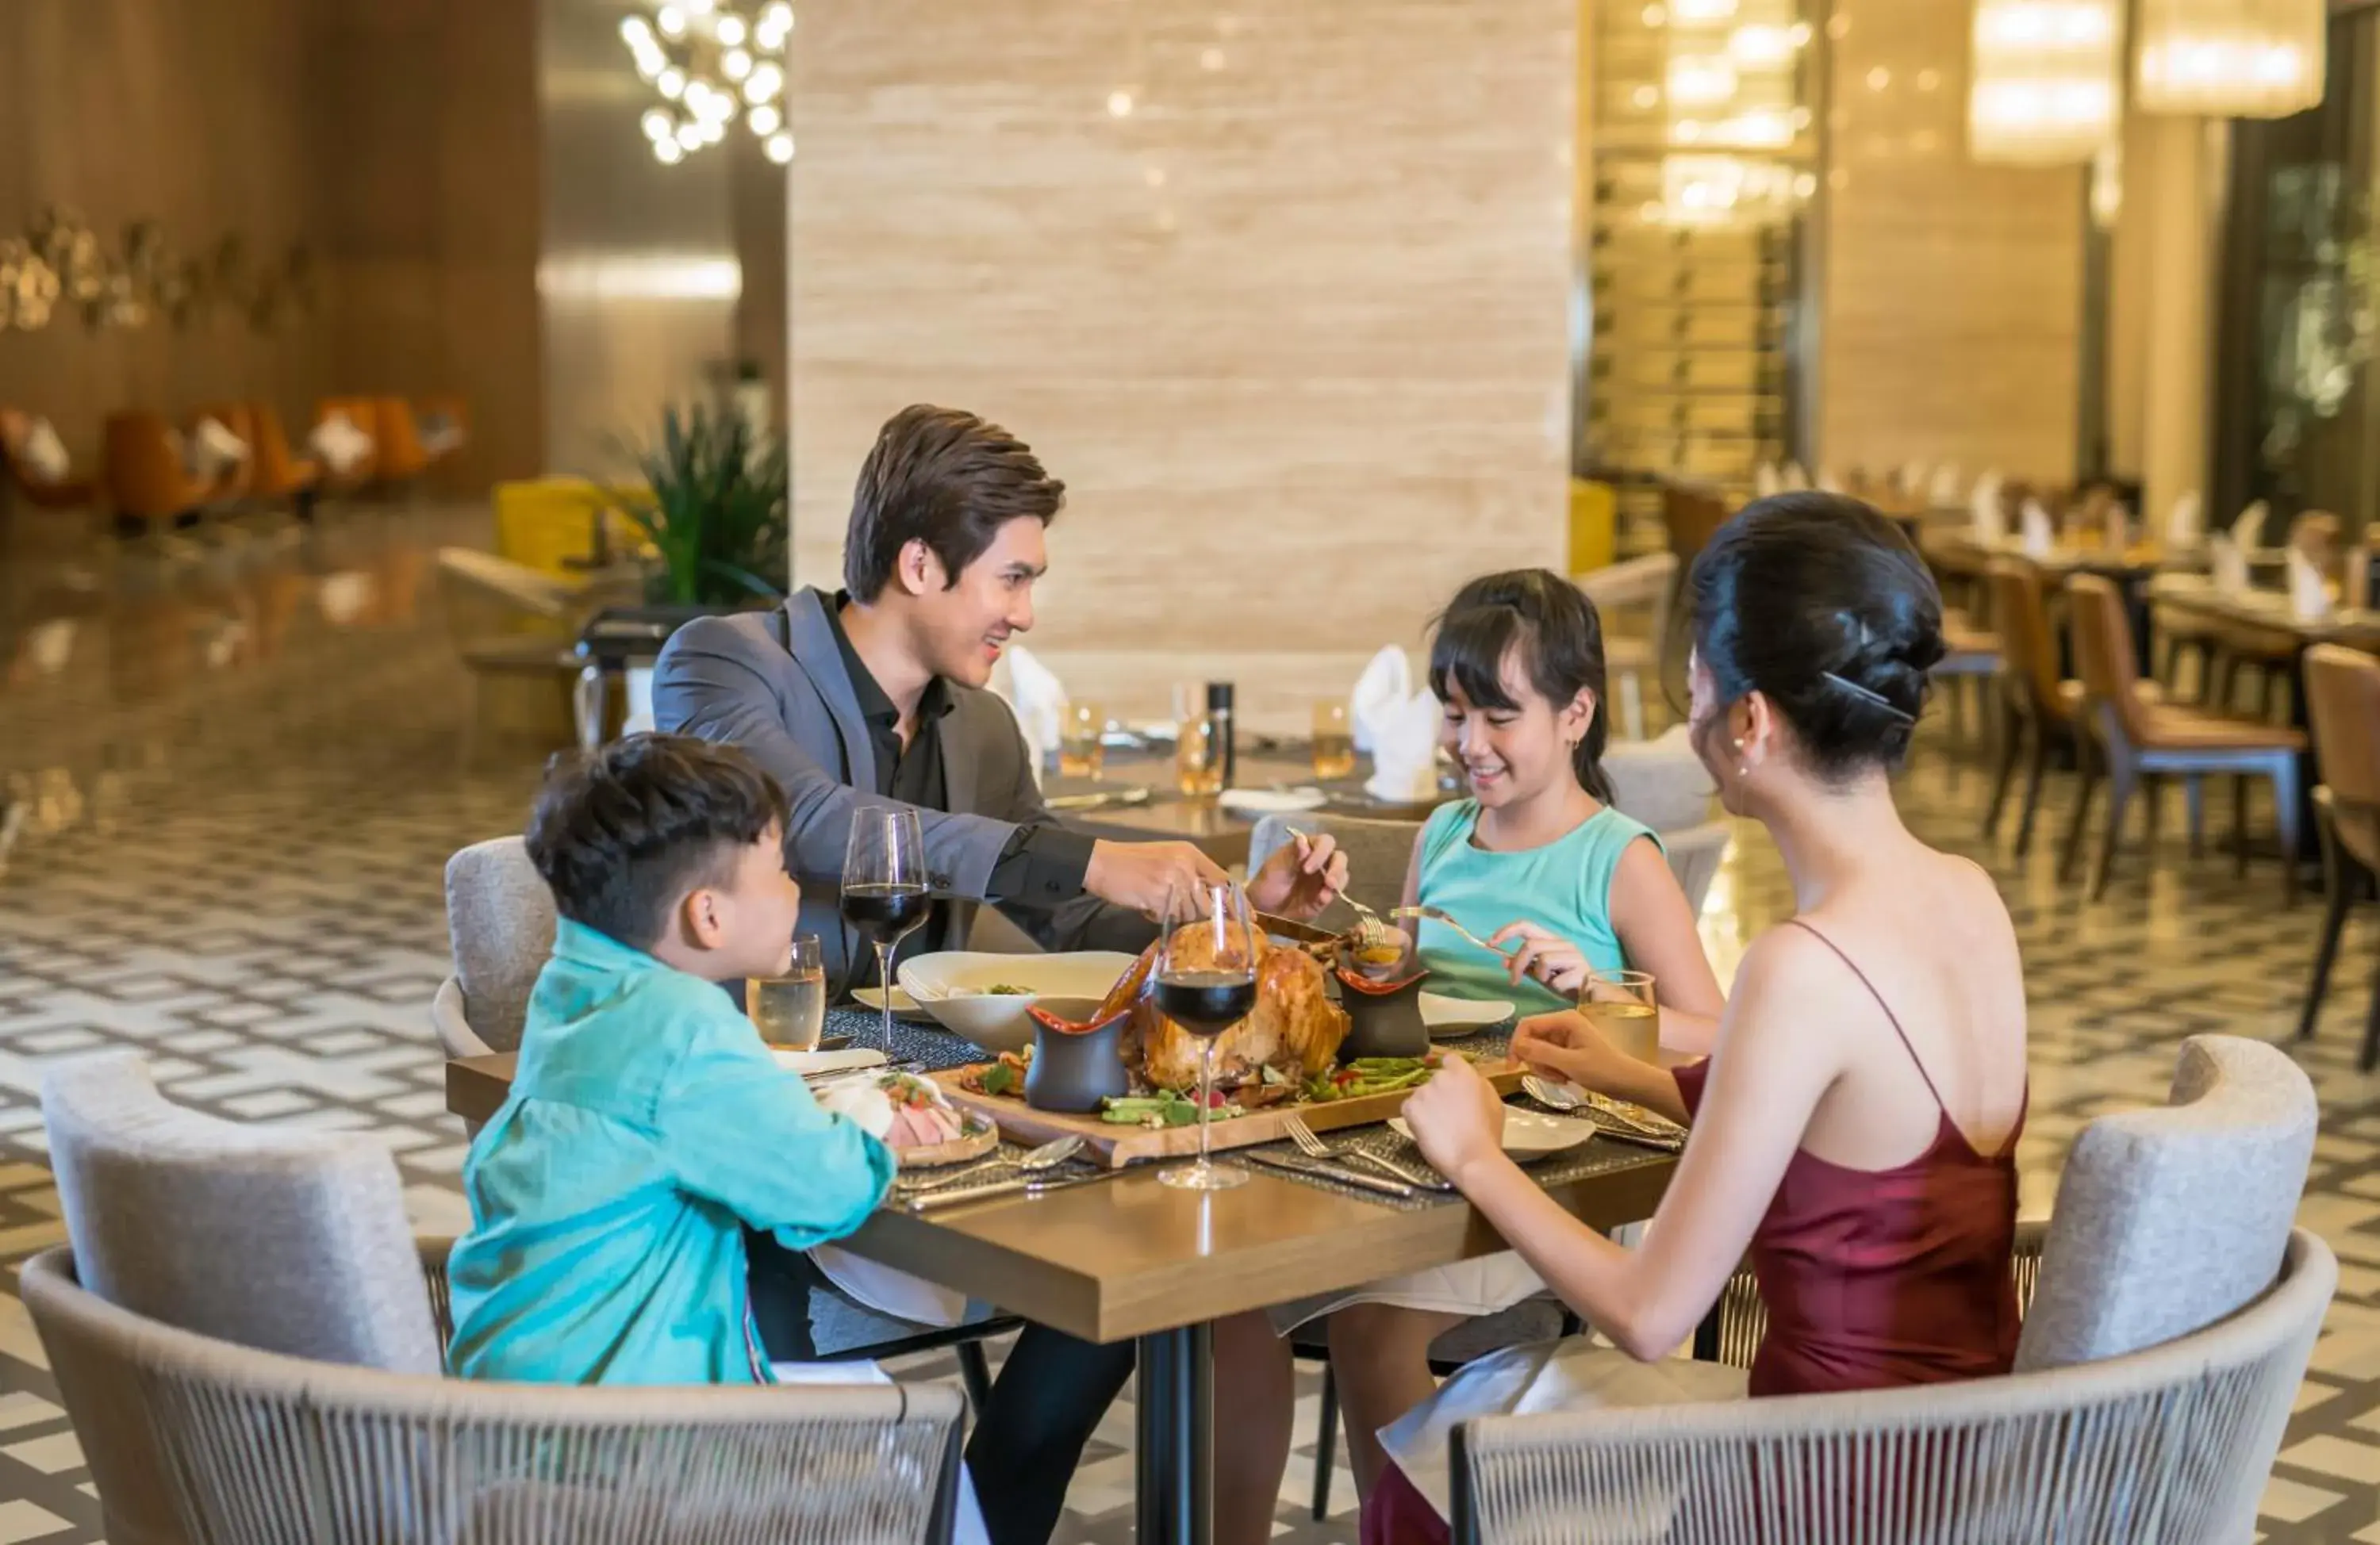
790 1010
1081 744
1334 742
1621 1004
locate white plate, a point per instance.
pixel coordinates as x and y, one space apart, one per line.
830 1062
903 1006
1272 802
1528 1134
1451 1017
950 986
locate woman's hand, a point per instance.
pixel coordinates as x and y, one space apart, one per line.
1567 1047
1301 879
1457 1118
1544 955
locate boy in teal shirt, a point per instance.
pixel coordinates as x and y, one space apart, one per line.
647 1124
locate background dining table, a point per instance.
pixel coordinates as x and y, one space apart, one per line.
1220 831
1130 1257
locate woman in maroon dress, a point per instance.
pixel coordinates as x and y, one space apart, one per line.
1854 1125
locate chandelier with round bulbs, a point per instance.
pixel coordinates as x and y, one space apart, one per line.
711 62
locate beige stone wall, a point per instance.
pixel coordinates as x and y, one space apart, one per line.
1952 292
1281 291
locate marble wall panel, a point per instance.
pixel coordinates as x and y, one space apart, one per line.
1279 289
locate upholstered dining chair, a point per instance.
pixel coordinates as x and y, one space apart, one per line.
2342 689
357 411
238 480
2042 707
274 472
396 441
249 1340
2132 737
1692 514
1636 585
2169 1321
146 478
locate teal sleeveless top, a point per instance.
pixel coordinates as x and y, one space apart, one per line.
1565 886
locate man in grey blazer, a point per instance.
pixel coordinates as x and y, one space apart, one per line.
876 695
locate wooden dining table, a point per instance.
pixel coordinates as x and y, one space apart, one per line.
1217 829
1133 1257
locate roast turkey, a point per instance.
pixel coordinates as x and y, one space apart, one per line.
1294 1029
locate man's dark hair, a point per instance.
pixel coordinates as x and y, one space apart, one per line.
944 478
622 835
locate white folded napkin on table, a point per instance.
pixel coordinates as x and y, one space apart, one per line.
341 445
1942 491
1404 751
2249 529
1793 478
2039 533
2185 525
1991 516
1383 687
2227 565
2308 600
1766 481
880 1287
1038 699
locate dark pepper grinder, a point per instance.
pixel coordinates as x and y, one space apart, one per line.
1219 711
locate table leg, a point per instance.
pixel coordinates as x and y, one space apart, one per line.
1175 1465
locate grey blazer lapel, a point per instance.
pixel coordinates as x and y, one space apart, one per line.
962 756
810 640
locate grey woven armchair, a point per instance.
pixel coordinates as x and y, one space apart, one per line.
2166 1446
194 1438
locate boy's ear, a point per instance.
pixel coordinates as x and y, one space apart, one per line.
701 915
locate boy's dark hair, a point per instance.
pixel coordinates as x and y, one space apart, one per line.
944 478
622 835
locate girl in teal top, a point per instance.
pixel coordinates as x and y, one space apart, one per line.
1536 861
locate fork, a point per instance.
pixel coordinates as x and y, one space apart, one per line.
1439 914
1370 931
1313 1147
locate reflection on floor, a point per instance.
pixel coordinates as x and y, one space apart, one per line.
238 769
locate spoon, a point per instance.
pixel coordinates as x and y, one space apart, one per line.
1049 1155
1545 1092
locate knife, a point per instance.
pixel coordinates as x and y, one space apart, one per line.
1033 1185
1299 1165
1290 928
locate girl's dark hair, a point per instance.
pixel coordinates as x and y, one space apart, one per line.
1822 606
1560 640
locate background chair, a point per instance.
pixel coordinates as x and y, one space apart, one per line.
146 478
1692 514
238 480
2166 1327
68 492
2342 689
396 441
2133 738
1639 586
2040 709
1378 853
276 474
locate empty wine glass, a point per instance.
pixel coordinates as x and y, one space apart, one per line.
884 886
1206 984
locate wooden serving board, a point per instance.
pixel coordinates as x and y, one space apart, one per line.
1116 1146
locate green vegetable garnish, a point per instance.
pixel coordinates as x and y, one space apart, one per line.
999 1079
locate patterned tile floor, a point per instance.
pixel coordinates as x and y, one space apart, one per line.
235 764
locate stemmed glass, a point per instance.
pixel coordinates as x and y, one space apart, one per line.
884 886
1206 984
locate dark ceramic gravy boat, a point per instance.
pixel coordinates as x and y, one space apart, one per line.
1077 1058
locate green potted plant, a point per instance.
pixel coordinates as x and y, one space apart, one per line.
714 505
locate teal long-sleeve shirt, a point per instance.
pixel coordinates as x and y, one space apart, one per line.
646 1127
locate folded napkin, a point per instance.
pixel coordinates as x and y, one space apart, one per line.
1910 479
1793 478
2185 526
880 1287
1038 699
2309 598
1383 687
2249 529
1991 515
342 446
1404 751
2040 534
1765 480
1942 491
216 450
2227 565
41 453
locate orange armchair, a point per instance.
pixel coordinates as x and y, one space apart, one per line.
66 493
274 472
397 440
238 480
143 468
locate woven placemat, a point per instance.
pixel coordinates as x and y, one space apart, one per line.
1595 1156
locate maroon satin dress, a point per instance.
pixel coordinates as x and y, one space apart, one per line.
1873 1279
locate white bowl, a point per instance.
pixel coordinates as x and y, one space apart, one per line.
950 986
1455 1017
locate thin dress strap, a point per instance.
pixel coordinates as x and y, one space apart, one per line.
1891 1017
